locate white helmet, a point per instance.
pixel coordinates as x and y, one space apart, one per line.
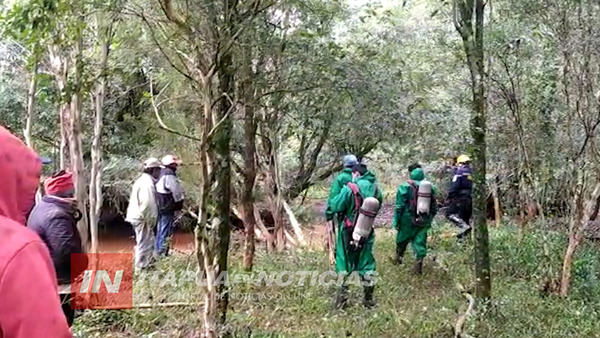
170 159
152 162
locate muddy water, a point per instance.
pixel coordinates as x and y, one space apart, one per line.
123 241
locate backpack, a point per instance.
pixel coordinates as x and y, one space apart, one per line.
358 201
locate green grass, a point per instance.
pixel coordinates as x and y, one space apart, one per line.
408 306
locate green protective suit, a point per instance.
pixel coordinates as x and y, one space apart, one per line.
404 215
339 182
347 261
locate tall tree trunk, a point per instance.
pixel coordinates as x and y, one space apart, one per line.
204 250
76 146
59 67
565 278
249 158
214 242
579 221
472 35
96 197
221 146
277 200
96 171
30 107
64 135
478 130
272 187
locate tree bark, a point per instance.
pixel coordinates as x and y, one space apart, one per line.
31 96
222 164
59 67
96 196
204 250
277 203
472 35
478 130
579 223
274 193
565 280
76 146
249 154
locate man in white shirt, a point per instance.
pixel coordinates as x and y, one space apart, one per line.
142 212
170 201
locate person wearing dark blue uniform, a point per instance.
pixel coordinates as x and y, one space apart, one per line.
460 208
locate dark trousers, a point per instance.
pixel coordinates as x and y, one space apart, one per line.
461 206
65 302
163 233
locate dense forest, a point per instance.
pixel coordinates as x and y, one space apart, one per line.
261 99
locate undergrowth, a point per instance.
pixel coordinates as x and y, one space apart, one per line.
408 306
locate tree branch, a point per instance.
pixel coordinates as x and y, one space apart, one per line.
167 8
462 320
160 121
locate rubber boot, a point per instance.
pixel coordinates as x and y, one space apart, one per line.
341 299
368 301
418 268
400 249
461 224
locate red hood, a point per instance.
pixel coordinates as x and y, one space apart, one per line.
20 169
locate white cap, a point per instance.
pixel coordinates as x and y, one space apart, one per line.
152 162
170 159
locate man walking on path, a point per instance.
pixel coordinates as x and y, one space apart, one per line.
142 212
461 205
339 182
412 227
170 201
348 258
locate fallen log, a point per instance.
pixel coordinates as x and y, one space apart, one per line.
257 232
263 229
290 238
294 223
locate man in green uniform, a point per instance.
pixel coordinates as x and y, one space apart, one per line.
412 228
349 259
339 182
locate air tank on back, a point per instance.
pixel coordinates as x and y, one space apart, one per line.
424 198
366 217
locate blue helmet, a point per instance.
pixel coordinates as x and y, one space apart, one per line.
46 160
349 160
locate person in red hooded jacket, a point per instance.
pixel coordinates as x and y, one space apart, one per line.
29 302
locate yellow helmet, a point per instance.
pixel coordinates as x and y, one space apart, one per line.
463 159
